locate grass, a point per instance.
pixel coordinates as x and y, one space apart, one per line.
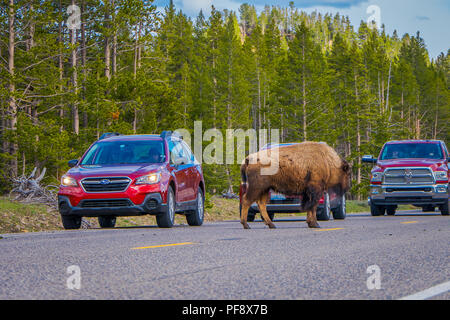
23 217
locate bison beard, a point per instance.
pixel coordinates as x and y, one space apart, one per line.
307 169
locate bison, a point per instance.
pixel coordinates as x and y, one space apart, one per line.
306 169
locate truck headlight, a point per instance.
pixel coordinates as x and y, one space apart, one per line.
151 178
377 177
440 175
68 181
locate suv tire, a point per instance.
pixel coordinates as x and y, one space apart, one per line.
71 222
340 212
195 218
390 211
167 218
107 221
376 210
324 213
445 208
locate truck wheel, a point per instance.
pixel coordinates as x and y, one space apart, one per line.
71 222
107 221
445 208
196 218
323 213
340 212
376 210
391 210
428 209
167 218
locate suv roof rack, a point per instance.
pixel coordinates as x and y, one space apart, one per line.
108 135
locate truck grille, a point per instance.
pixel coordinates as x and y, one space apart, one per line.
408 176
105 203
105 184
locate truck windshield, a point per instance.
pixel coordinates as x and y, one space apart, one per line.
411 151
125 152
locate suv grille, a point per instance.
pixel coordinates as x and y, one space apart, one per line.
105 184
408 176
105 203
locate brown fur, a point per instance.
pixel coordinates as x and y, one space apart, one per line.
307 169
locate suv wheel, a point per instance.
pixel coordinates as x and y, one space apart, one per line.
376 210
323 213
445 208
340 212
71 222
106 221
167 218
390 211
196 218
428 209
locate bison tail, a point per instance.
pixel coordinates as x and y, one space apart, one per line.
244 171
311 197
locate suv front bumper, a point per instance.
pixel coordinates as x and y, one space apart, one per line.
414 194
89 208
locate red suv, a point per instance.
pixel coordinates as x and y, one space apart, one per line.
131 176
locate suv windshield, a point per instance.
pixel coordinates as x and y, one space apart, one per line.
125 152
412 151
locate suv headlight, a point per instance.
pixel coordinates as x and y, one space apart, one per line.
440 175
68 181
377 177
151 178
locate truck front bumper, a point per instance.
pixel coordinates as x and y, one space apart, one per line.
414 194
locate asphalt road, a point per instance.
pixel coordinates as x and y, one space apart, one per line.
223 261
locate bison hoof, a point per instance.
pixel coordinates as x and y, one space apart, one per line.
313 225
246 226
272 226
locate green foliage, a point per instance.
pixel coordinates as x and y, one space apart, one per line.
312 76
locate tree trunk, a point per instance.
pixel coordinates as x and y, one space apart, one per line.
83 59
75 115
12 87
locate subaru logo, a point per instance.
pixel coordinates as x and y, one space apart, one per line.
105 181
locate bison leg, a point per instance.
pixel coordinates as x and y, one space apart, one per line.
311 218
262 205
244 211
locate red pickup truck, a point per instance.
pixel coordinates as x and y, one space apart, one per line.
410 172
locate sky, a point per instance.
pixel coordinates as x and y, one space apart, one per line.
430 17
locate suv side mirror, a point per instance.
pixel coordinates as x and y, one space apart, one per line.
178 161
72 163
369 159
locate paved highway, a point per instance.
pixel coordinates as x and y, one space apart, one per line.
362 257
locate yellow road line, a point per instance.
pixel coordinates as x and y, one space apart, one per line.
163 245
408 222
319 230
